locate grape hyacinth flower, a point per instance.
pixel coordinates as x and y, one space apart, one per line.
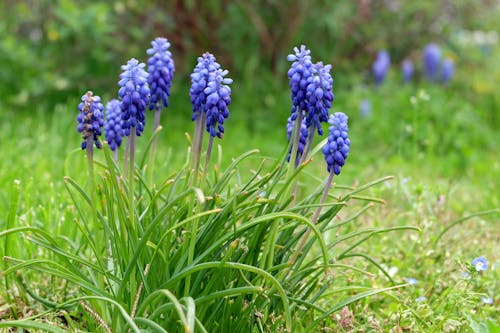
302 139
407 70
447 70
381 66
319 96
480 264
134 95
161 70
299 74
337 147
431 58
210 95
90 120
311 91
113 124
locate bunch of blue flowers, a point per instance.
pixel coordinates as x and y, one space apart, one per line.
210 96
311 88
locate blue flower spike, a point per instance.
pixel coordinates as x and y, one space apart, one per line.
90 119
319 96
299 75
338 144
134 95
113 124
210 96
161 70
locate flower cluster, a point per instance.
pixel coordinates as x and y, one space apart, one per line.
302 138
299 74
338 144
113 124
161 72
210 94
407 70
381 66
431 58
90 119
134 94
319 96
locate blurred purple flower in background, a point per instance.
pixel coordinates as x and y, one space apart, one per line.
411 281
381 66
487 300
365 108
431 57
407 70
447 70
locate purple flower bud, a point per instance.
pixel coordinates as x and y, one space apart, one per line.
134 95
90 119
161 72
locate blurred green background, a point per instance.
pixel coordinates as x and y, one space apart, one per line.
51 52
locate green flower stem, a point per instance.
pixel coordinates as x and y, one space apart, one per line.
209 151
197 146
314 219
154 144
295 144
308 146
131 202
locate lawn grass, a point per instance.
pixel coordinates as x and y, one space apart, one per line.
439 178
